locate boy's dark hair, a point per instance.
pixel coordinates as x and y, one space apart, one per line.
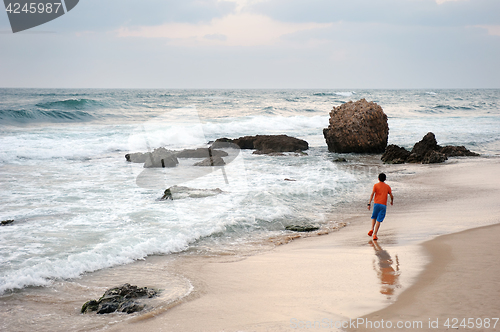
382 177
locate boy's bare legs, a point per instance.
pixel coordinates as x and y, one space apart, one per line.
377 226
370 233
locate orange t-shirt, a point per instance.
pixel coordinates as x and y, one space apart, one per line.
381 190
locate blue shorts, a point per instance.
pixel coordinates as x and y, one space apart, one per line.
379 212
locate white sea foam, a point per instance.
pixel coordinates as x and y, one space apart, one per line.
179 135
345 93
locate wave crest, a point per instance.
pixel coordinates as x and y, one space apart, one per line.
32 116
69 104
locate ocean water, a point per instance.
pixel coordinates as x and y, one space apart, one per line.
79 207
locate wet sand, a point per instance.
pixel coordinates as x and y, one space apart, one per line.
322 282
461 282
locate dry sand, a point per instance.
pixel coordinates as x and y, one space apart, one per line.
319 282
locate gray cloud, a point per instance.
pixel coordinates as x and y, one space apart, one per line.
98 15
370 44
401 12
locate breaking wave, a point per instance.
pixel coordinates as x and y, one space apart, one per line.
37 115
70 104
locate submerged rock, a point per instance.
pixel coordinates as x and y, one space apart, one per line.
269 153
179 192
359 127
298 228
119 299
167 194
6 222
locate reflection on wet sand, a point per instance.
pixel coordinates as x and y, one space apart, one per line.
388 274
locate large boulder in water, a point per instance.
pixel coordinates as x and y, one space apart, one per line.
359 127
266 144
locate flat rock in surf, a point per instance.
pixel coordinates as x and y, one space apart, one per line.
264 144
139 157
179 192
160 157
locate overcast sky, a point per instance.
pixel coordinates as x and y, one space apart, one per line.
337 44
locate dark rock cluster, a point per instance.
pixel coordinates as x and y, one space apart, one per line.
264 144
426 151
121 299
359 127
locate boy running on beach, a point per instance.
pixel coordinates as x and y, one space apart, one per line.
380 191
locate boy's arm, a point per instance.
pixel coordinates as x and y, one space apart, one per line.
392 199
371 197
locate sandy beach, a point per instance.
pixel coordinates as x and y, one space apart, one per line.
416 272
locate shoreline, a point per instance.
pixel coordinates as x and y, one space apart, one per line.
454 286
326 277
